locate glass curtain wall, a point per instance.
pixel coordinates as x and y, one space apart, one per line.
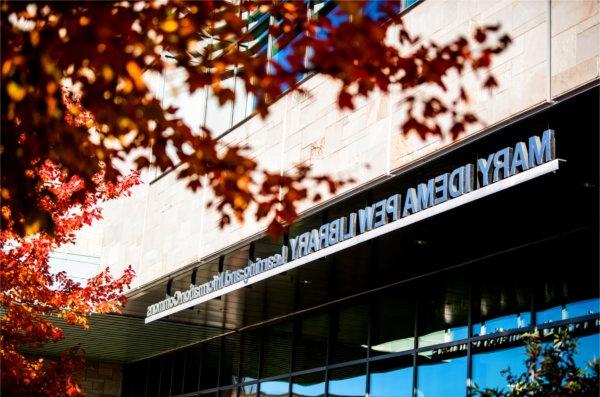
431 337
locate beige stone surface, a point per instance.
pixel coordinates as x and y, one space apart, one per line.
163 227
101 379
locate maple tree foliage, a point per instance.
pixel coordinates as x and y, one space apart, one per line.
31 295
102 50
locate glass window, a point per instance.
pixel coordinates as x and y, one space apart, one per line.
218 118
135 378
393 324
240 104
192 369
500 304
488 366
443 312
348 381
392 377
250 356
350 336
209 370
567 294
408 3
438 375
566 311
230 360
153 383
165 375
178 371
249 390
310 346
275 388
229 392
277 347
374 10
588 349
312 385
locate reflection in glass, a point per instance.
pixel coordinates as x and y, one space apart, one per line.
192 369
312 385
165 375
277 347
392 378
487 366
441 377
275 388
350 337
153 381
178 371
348 381
566 311
230 359
500 304
250 354
443 312
310 346
393 325
209 370
588 349
249 390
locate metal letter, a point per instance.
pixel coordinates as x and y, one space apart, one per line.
334 232
456 182
442 189
365 219
379 213
519 159
425 197
541 152
410 203
392 206
502 163
484 167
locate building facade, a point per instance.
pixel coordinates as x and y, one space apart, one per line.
420 278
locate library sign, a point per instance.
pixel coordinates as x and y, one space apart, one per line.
391 213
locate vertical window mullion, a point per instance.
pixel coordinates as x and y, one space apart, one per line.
415 346
469 336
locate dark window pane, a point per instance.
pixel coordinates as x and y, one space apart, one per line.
310 347
393 324
135 378
487 366
350 337
500 303
275 388
153 385
250 356
277 347
165 375
564 295
348 381
392 377
439 375
230 360
192 369
443 312
178 371
209 374
312 385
